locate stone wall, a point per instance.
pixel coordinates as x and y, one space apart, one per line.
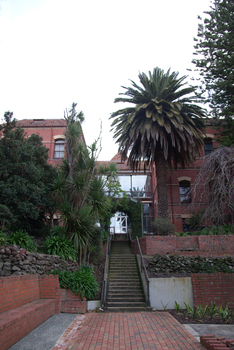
16 261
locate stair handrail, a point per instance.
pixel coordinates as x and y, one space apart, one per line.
144 269
104 284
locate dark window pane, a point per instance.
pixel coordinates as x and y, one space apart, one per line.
59 149
208 147
185 194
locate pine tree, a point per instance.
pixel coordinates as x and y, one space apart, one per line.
215 62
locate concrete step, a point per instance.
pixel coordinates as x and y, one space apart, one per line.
125 299
124 275
124 291
121 283
127 309
126 304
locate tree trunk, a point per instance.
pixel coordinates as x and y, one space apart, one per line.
160 163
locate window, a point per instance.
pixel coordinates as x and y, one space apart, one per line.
58 148
185 193
208 146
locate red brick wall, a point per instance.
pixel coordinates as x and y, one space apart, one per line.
216 288
72 303
14 326
49 289
213 246
18 290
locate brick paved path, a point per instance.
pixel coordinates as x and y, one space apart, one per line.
136 330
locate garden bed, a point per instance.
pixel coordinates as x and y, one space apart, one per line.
184 318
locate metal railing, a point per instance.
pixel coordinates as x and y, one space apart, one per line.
143 271
104 284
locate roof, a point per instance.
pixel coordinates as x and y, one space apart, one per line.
27 123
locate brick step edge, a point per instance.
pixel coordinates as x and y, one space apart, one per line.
211 342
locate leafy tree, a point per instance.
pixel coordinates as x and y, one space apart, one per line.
215 185
215 62
26 179
163 126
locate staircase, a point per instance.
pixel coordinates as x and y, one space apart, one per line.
124 291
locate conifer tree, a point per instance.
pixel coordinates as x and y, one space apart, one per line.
215 62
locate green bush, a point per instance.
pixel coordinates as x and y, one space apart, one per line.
210 231
57 231
95 248
59 245
22 239
163 227
82 281
3 238
195 221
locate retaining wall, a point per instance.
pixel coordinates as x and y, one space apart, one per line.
206 246
218 288
16 291
198 289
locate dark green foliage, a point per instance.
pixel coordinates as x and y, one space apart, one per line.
80 187
59 245
133 210
57 231
26 180
82 281
185 264
195 220
95 249
216 230
215 62
22 239
207 313
210 231
3 238
163 227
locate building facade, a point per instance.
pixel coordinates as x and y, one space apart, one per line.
141 185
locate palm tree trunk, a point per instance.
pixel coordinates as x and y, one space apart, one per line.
160 163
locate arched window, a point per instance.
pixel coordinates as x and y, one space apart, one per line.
59 148
185 193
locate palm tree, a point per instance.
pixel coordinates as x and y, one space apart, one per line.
163 126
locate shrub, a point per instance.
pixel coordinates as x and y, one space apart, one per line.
163 227
22 239
195 221
57 231
82 281
59 245
3 238
95 249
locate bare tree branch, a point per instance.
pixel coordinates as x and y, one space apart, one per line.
215 186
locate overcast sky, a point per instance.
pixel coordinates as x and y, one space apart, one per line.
55 52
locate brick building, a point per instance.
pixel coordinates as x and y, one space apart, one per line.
52 132
143 187
140 185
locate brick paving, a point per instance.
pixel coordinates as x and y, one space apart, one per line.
135 330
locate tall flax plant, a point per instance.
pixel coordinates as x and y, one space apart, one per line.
79 193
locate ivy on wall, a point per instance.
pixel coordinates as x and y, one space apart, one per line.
133 210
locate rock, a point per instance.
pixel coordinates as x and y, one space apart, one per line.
8 251
15 268
22 251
